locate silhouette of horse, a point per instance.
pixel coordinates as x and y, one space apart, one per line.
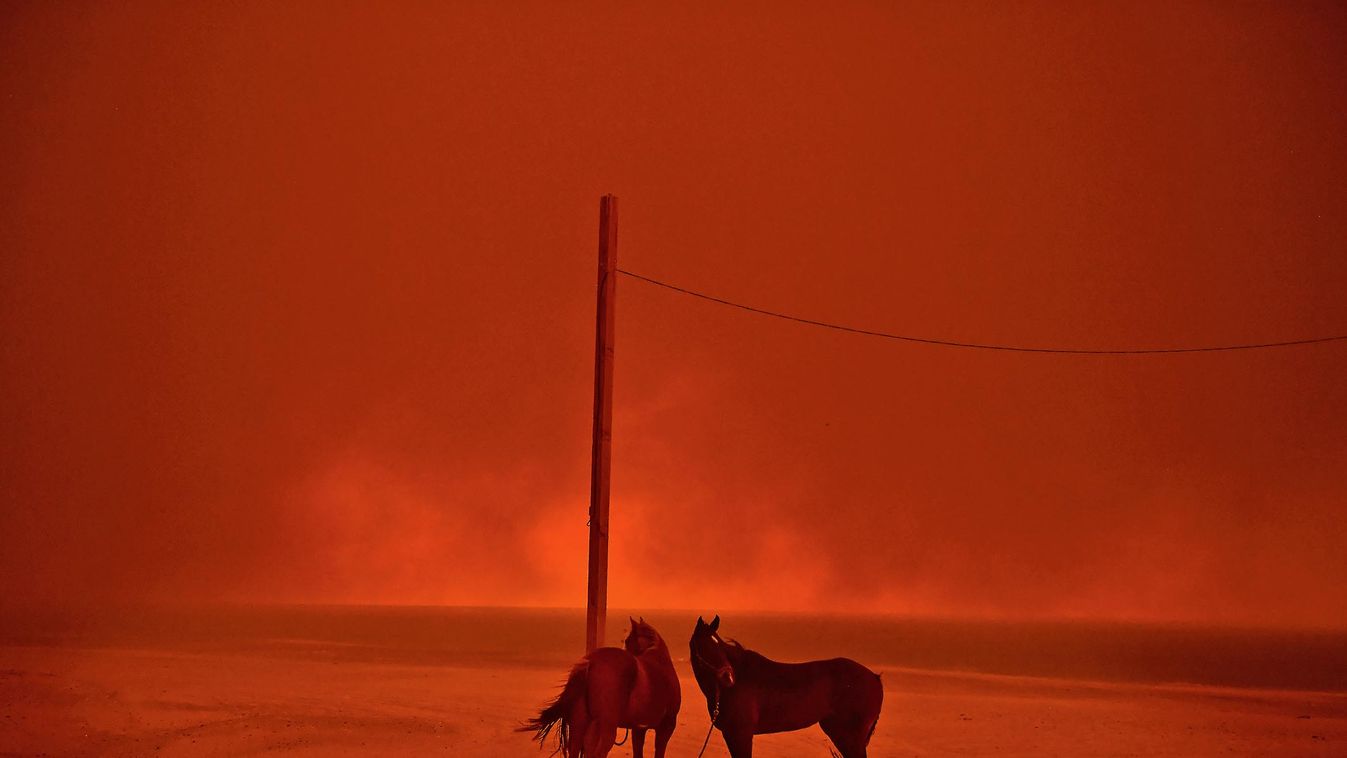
747 694
633 687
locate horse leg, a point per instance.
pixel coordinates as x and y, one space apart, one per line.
607 692
847 735
662 734
740 743
579 727
576 725
637 742
599 738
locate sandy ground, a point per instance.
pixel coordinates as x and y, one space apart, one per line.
102 701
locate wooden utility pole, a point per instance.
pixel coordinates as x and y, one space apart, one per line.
597 605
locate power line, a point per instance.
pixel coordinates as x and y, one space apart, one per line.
977 345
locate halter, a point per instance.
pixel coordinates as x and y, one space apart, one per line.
713 667
715 712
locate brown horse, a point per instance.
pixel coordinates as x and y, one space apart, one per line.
633 687
749 694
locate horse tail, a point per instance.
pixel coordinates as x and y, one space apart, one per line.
557 714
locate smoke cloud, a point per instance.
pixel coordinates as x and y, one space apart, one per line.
297 305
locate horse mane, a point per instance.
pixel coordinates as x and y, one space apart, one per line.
741 658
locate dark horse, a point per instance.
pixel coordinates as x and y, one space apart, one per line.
633 687
749 694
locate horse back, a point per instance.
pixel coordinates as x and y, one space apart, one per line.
632 691
611 676
784 697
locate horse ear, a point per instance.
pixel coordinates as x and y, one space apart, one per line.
715 623
643 619
701 622
632 620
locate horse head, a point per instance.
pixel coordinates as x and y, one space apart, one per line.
641 637
708 652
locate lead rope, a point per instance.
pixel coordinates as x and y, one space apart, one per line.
715 714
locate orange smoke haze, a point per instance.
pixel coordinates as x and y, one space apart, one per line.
297 304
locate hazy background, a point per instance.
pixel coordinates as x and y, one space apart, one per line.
297 304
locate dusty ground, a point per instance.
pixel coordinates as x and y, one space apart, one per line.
71 701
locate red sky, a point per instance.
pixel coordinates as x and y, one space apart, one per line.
297 304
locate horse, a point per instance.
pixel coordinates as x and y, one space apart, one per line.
747 694
633 687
